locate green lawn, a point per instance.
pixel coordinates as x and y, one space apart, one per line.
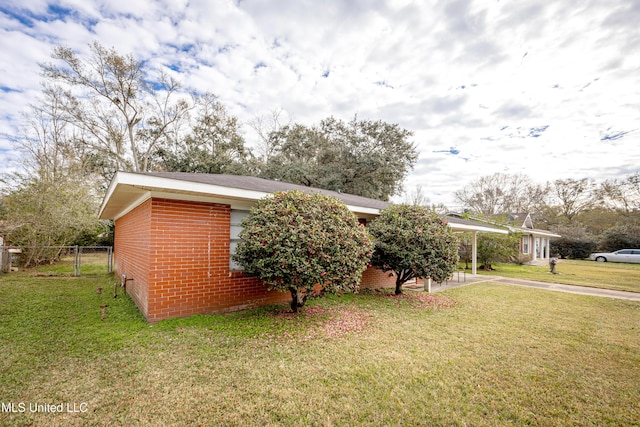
625 277
487 355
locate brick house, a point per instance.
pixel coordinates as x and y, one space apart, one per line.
175 234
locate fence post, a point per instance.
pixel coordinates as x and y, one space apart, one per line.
76 264
110 260
4 259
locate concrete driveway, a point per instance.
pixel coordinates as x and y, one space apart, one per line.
574 289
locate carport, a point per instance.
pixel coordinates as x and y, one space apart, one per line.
459 224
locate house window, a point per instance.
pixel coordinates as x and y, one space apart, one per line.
525 245
236 218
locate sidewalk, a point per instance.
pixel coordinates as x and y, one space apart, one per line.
574 289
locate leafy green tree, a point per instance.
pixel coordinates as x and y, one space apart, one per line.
363 157
572 247
494 248
621 236
213 145
295 242
578 239
413 242
39 213
52 200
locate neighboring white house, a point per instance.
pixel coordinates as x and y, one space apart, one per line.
533 242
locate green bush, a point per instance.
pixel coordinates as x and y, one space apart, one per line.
302 243
620 236
497 248
572 248
413 242
39 213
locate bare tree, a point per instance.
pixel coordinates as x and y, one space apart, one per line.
119 110
265 125
52 201
46 138
417 197
621 194
502 193
573 196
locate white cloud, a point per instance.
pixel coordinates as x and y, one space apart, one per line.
546 89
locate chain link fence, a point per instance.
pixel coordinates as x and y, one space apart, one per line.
66 260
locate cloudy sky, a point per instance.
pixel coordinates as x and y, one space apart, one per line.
549 89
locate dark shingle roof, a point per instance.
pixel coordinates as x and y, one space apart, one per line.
267 186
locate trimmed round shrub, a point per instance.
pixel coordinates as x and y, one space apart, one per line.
305 244
413 242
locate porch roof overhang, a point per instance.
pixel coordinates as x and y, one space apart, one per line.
460 225
535 232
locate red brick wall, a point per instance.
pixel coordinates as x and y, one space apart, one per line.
131 252
373 278
189 263
177 252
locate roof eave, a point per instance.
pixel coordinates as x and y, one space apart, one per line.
534 231
151 184
468 227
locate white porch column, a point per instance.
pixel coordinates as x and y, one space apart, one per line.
548 253
534 248
474 253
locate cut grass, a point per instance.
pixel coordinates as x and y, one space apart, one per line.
489 354
618 276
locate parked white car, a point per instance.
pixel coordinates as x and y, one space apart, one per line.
623 255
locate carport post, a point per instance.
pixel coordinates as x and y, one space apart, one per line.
474 253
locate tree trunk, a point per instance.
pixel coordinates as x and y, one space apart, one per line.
294 299
399 284
401 278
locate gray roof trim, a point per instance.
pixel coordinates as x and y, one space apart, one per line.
266 186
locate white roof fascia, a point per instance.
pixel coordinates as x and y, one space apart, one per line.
110 190
360 209
468 227
160 183
534 232
544 233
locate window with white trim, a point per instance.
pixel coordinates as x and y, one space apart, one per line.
525 244
237 216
